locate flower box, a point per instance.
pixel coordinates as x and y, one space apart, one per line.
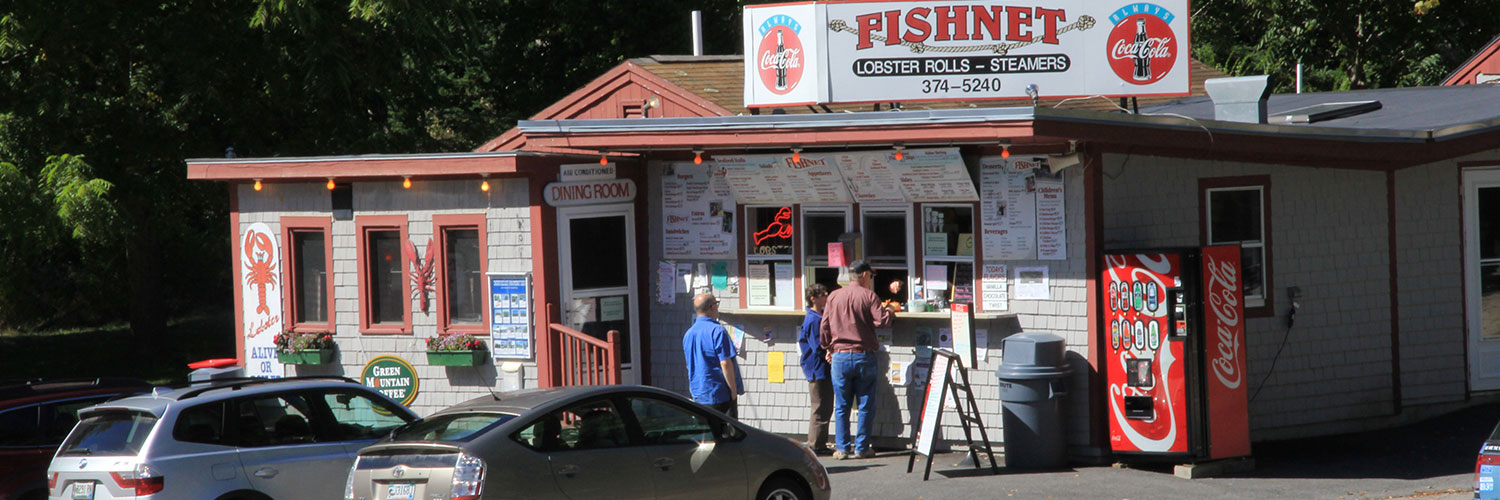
456 358
306 357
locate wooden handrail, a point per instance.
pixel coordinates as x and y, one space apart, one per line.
583 359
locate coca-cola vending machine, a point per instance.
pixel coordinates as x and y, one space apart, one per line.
1175 362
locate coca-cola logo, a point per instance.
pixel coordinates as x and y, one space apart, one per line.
1142 46
1224 303
779 58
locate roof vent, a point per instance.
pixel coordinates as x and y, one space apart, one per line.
1240 99
1326 111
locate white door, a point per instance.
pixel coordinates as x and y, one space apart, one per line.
1482 276
597 261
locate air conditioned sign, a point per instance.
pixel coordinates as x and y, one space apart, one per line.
909 51
567 194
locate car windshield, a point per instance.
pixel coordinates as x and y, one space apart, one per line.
109 433
451 427
1495 435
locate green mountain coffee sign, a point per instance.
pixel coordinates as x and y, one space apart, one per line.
393 377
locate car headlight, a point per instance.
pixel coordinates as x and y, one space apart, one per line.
810 459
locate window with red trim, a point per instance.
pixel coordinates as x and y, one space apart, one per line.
384 289
460 302
309 258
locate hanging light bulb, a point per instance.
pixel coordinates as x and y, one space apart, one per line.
330 184
899 155
405 182
1005 151
697 157
485 184
257 184
603 160
796 155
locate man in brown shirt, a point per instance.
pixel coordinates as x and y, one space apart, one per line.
848 334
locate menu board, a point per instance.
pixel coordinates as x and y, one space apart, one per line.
779 179
510 315
1051 218
697 213
1008 206
870 176
934 175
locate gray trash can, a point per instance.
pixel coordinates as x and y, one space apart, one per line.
1033 380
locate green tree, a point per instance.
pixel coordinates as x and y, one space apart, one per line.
1342 45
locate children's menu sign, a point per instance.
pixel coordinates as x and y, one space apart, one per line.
697 212
510 315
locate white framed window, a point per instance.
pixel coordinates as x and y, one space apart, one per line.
1237 215
947 245
822 225
885 233
770 269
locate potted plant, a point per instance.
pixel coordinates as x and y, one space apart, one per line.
459 349
304 348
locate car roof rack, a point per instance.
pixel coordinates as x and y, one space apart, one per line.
36 386
238 383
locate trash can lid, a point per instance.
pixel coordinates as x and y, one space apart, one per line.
1033 355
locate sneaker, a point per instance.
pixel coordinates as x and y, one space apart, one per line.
865 453
840 455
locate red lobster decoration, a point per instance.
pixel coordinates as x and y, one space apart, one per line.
262 270
422 278
780 226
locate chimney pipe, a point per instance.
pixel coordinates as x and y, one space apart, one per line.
697 32
1240 99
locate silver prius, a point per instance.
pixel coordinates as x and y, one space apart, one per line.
584 442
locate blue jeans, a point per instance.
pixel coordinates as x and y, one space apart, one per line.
853 380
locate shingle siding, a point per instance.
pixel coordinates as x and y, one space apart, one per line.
508 231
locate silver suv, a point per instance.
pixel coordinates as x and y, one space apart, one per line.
235 439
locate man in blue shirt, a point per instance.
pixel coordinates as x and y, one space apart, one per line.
710 353
815 368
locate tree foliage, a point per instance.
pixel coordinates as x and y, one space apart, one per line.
1342 45
101 102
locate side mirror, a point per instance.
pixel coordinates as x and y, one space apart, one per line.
729 432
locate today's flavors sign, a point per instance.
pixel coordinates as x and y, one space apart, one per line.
905 51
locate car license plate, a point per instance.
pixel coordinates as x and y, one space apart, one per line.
83 490
400 491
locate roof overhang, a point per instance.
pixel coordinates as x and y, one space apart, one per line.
1166 135
370 166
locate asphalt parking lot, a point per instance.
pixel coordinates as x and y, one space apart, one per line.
1433 459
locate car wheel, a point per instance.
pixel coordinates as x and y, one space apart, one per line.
783 488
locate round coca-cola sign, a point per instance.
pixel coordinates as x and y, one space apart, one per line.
779 57
1142 46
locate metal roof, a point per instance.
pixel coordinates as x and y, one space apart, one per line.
1432 112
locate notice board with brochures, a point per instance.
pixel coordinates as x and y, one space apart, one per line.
510 315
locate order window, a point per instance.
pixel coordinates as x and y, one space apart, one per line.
462 248
769 270
886 235
947 254
820 227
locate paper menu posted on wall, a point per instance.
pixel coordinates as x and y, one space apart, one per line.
697 212
870 177
785 287
1051 218
684 277
666 282
758 285
995 291
776 367
936 174
1009 221
1032 283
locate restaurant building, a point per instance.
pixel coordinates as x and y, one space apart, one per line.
1361 217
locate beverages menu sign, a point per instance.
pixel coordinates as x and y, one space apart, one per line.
876 51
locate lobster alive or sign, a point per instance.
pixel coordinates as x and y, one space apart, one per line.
260 300
423 279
